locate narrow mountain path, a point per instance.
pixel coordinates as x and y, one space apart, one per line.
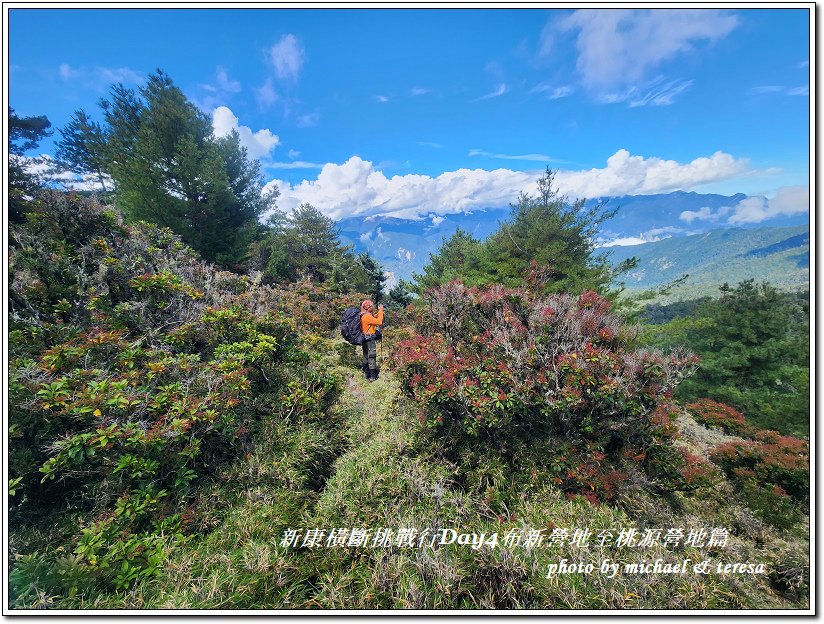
387 476
371 405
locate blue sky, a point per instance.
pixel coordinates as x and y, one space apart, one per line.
421 111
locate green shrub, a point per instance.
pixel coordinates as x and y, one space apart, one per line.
136 370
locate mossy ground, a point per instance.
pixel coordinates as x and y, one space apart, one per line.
372 464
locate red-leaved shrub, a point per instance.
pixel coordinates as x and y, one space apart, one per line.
771 474
714 414
782 461
507 360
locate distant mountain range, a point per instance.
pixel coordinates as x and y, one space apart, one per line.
780 256
777 250
403 246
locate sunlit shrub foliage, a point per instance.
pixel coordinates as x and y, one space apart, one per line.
504 360
135 370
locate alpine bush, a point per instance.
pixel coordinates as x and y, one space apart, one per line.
501 361
136 370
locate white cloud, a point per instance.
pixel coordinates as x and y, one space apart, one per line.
650 236
436 220
258 144
293 154
100 78
662 95
667 229
788 201
357 187
222 83
538 157
295 164
382 99
365 237
391 280
653 93
218 91
628 241
805 90
553 93
287 57
266 94
561 92
66 72
44 167
420 91
119 74
705 213
496 93
750 210
405 254
626 174
618 47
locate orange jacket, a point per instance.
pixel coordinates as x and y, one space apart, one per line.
369 322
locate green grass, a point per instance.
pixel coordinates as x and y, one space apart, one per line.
371 464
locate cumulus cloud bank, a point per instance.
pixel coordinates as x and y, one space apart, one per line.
788 201
258 144
626 174
649 236
704 214
356 187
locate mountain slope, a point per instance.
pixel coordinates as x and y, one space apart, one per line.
403 246
777 255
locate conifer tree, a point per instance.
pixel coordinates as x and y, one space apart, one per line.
312 243
25 133
169 169
372 276
552 232
546 229
457 257
400 296
82 146
754 347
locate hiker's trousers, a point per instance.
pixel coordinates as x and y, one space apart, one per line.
370 354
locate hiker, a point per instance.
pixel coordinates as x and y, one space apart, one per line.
369 324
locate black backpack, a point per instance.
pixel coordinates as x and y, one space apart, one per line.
350 326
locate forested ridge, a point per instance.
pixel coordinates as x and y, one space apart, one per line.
183 410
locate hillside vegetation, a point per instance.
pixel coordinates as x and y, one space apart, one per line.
186 434
780 256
